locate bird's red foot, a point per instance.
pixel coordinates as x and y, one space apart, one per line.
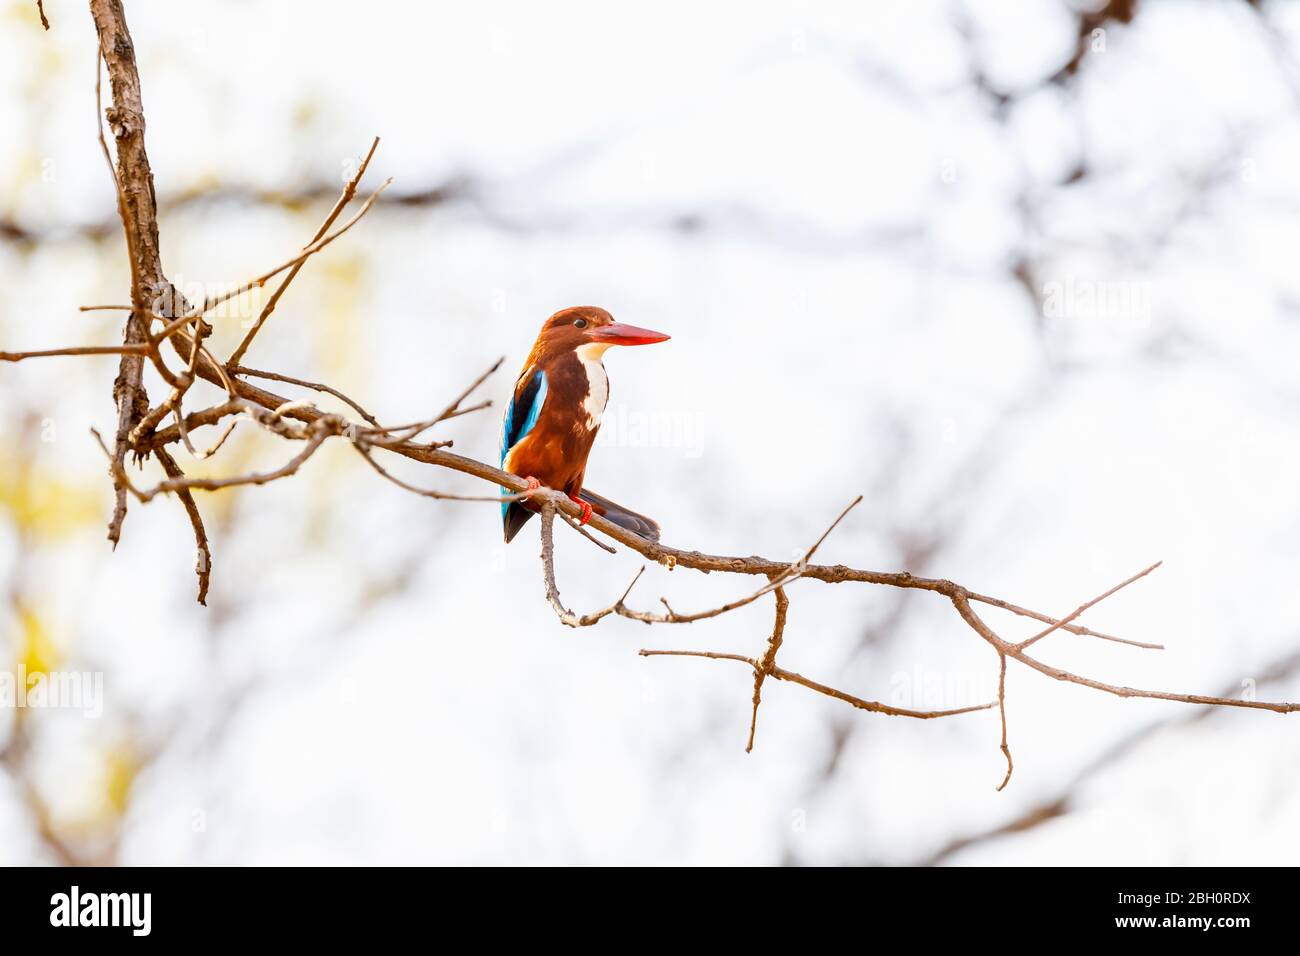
586 509
533 486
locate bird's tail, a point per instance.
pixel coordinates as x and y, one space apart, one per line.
623 517
516 515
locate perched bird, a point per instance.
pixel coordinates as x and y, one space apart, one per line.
554 414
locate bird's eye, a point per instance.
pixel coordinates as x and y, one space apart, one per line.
580 323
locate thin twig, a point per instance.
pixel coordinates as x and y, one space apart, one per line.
349 191
1002 712
776 580
780 673
207 416
576 526
211 302
1072 628
566 616
962 603
315 386
451 411
76 350
768 664
1083 607
203 551
428 492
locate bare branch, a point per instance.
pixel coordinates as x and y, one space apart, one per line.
207 416
775 581
962 603
427 492
781 673
566 616
1002 713
133 182
768 663
609 549
76 350
203 550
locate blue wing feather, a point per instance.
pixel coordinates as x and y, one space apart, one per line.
521 415
505 431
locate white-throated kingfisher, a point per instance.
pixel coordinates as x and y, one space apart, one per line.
555 411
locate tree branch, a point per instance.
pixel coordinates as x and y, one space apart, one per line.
76 350
203 551
133 181
768 664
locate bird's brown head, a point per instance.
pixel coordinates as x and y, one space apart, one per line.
571 329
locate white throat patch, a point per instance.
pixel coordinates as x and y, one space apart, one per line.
597 381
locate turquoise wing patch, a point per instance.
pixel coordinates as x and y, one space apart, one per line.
521 415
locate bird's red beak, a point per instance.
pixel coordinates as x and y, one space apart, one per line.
620 334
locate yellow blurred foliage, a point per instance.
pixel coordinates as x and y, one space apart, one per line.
120 769
47 507
104 797
36 649
341 336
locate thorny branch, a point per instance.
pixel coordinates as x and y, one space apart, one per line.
184 327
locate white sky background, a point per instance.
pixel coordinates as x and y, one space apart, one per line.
825 212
